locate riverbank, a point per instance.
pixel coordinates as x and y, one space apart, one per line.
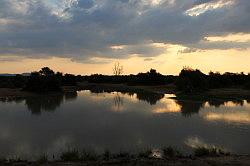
223 93
232 160
19 93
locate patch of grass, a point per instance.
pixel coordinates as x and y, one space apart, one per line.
15 158
75 155
71 155
89 155
144 153
107 155
3 159
123 155
212 152
170 152
43 158
201 151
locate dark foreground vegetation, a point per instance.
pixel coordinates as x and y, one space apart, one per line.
188 81
165 155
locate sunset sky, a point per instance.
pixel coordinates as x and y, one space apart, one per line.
89 36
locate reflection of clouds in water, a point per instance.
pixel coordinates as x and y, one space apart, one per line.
60 144
107 96
196 142
134 96
232 104
230 112
23 149
227 103
229 116
122 100
4 132
167 105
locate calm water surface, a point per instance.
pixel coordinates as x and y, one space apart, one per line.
116 121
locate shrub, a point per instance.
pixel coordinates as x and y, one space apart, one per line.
190 81
204 151
107 155
71 155
88 155
171 152
43 158
145 153
43 81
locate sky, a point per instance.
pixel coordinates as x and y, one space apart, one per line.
90 36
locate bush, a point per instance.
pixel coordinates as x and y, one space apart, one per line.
171 152
204 151
145 153
43 158
42 83
190 81
71 155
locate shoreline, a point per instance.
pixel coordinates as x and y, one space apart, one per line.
222 93
230 160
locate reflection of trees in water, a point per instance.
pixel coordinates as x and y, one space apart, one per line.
11 99
43 103
149 97
189 107
70 95
118 102
39 103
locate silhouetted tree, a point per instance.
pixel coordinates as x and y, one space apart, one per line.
118 69
43 81
69 80
45 71
191 80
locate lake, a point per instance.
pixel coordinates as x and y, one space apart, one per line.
118 121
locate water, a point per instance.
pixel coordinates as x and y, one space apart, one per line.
129 122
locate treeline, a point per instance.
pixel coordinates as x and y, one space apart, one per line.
151 77
45 80
188 81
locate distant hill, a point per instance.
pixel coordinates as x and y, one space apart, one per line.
12 75
6 74
25 74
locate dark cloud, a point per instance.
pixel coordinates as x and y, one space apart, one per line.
83 29
86 4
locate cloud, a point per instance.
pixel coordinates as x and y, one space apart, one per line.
86 4
187 50
148 59
201 7
85 29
